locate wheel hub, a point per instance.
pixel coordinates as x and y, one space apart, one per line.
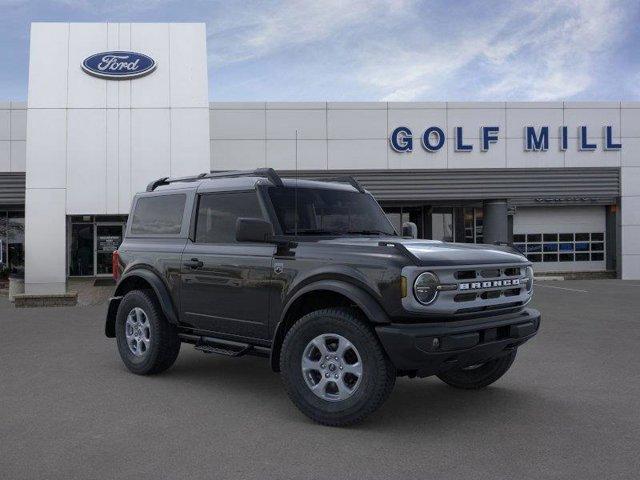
138 331
332 367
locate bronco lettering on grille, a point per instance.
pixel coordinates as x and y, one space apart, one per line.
509 282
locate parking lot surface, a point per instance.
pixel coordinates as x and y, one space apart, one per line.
568 408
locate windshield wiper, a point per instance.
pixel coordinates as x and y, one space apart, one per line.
314 231
369 232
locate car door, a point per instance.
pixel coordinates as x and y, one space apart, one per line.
226 284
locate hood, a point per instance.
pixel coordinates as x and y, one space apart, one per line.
437 253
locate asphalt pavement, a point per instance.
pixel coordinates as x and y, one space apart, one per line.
568 408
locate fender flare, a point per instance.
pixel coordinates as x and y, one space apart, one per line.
159 288
364 300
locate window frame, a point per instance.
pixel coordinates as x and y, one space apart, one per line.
193 228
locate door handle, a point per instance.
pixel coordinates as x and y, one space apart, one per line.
193 263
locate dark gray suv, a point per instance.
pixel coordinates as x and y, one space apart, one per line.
314 277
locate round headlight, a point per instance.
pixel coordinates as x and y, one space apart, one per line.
425 288
529 278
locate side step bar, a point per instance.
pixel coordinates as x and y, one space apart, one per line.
221 346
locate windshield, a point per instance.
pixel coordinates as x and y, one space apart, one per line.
328 212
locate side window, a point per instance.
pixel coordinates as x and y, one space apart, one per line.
218 212
158 215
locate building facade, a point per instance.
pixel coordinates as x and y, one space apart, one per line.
559 180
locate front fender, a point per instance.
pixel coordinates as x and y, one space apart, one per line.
364 300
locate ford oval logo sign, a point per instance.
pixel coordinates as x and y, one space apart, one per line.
118 65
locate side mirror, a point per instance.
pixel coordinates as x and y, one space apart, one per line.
253 230
409 229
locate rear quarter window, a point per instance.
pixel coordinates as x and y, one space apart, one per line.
158 215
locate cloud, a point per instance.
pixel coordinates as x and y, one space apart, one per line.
260 29
543 51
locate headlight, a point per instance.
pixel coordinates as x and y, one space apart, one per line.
425 288
529 278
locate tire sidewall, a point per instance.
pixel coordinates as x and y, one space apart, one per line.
140 299
308 328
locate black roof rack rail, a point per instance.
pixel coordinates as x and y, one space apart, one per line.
269 173
344 179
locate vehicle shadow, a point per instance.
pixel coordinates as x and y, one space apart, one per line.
414 404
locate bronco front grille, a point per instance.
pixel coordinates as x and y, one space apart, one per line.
472 290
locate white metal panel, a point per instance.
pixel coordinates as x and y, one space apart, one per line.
630 181
495 157
47 148
86 161
86 91
518 118
112 162
574 157
152 90
592 118
357 124
282 124
357 154
113 43
630 154
45 240
124 86
188 69
150 146
124 160
18 124
237 124
18 156
312 154
630 239
237 154
48 63
5 124
517 157
630 268
630 122
471 119
189 141
419 158
5 156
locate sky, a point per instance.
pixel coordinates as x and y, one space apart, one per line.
377 50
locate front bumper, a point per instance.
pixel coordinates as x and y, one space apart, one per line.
429 348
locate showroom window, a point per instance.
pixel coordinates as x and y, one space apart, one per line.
11 242
561 247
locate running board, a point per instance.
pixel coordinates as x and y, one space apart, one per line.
221 346
223 351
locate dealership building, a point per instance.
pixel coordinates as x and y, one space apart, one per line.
113 106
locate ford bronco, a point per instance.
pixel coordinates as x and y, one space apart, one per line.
313 276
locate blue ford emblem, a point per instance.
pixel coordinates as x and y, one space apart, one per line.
118 65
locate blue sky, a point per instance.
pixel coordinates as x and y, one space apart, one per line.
361 50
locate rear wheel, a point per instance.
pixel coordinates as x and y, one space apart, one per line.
334 368
147 342
478 376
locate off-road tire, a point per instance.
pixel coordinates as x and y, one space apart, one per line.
480 377
164 342
378 376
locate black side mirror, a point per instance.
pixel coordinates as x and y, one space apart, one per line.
410 230
253 230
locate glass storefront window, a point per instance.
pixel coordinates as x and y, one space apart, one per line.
11 243
81 251
92 240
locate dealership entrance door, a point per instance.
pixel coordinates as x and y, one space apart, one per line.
92 240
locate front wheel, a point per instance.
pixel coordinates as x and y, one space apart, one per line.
334 368
478 376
